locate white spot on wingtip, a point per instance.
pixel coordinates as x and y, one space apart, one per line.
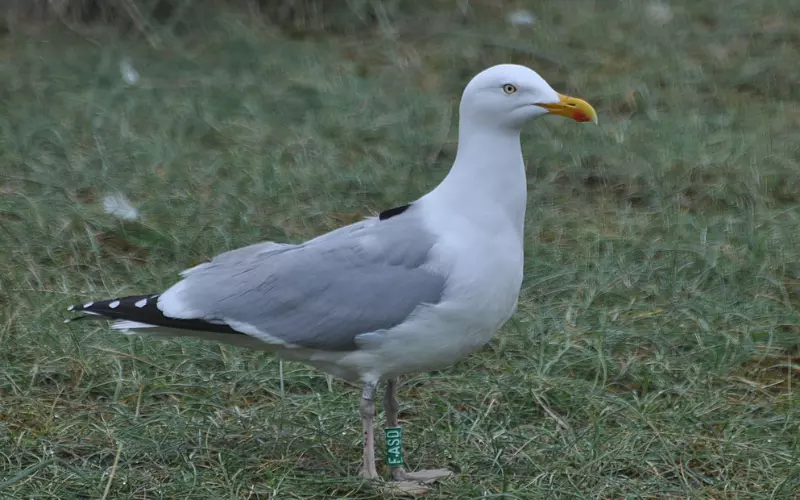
141 303
71 308
113 305
67 321
88 304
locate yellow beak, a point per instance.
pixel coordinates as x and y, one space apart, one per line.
572 107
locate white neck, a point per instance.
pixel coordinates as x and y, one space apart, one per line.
487 179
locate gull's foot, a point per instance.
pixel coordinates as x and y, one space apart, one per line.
415 483
408 488
420 476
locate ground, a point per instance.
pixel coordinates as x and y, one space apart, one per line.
656 350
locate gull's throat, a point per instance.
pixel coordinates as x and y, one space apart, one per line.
487 179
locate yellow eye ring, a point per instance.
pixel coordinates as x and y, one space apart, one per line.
509 89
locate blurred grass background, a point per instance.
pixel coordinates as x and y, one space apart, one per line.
656 351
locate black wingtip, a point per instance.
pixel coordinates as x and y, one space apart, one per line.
144 309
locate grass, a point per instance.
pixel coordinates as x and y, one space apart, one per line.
656 351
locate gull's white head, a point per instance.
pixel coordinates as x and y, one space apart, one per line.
509 95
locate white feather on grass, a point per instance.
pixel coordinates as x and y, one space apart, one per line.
521 17
129 73
119 206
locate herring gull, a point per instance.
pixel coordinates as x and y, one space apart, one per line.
414 289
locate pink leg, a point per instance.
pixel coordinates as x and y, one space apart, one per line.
367 410
392 407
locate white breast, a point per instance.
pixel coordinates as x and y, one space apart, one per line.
484 273
483 265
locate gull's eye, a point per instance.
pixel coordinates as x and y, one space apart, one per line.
509 89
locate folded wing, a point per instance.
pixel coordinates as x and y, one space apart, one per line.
319 295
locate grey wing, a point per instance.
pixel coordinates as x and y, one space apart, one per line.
319 295
239 255
242 255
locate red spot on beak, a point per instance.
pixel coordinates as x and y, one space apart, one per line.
580 116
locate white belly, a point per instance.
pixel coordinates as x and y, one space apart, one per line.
436 338
481 295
